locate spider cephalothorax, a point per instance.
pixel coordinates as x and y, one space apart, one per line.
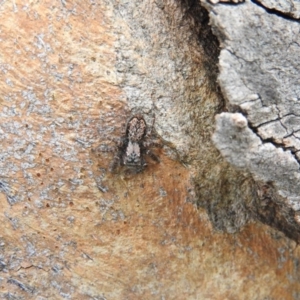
136 128
134 146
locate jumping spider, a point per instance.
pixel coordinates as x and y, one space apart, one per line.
133 146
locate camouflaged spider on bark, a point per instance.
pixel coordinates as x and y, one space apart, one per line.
134 146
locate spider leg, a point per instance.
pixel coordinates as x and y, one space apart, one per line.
151 143
136 170
153 156
123 129
103 148
150 128
116 162
118 141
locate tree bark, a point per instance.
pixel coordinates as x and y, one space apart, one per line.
219 208
259 79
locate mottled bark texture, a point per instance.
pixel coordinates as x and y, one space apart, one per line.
72 73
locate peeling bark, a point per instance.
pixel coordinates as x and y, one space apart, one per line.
259 79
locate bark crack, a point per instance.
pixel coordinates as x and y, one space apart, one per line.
276 12
273 140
